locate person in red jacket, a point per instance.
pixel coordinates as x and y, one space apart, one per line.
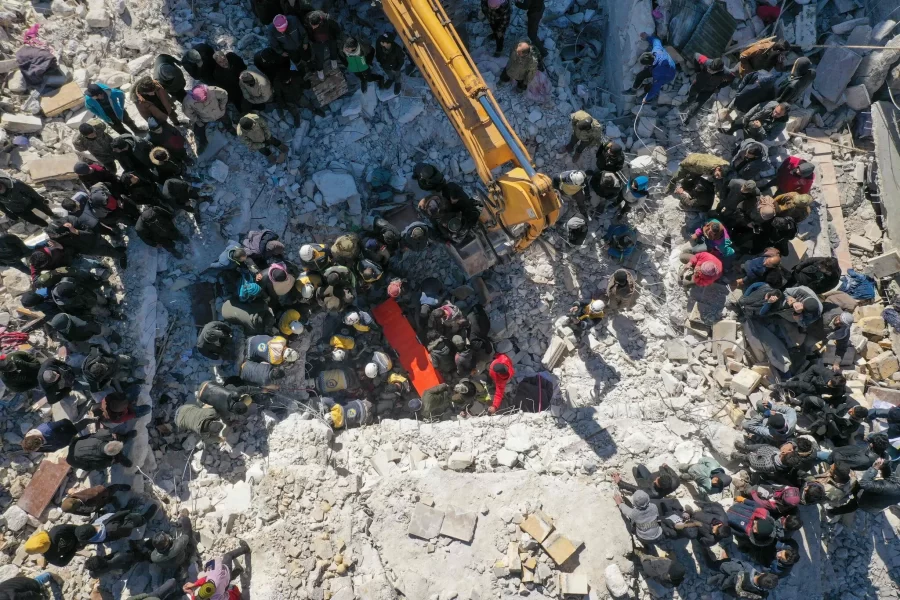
795 175
501 371
703 269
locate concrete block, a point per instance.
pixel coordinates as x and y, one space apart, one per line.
97 16
723 377
677 351
513 562
573 584
805 26
872 326
60 167
559 547
537 525
725 329
460 526
885 265
888 395
867 310
21 123
460 461
62 99
746 381
861 243
835 71
884 365
507 458
8 66
425 522
554 352
858 97
736 414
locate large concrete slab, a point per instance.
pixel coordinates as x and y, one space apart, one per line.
58 167
425 522
459 525
835 71
831 195
65 98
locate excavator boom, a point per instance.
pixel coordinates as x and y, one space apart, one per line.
521 202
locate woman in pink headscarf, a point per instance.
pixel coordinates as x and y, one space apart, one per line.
497 13
203 105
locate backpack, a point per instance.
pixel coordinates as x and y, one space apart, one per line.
436 400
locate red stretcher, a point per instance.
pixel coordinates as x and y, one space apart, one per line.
402 338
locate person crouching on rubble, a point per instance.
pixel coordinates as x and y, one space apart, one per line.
354 413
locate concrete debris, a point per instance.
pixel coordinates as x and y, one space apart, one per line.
835 71
425 522
459 526
538 526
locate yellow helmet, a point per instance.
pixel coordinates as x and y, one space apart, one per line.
206 591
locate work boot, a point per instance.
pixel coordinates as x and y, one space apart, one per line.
321 75
334 64
363 85
397 87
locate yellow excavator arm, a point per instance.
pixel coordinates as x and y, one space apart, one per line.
521 202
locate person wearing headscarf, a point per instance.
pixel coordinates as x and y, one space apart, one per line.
501 372
794 205
802 75
711 77
108 105
642 517
203 105
702 269
658 66
714 235
58 546
621 291
323 34
93 139
390 55
152 100
98 451
167 71
794 175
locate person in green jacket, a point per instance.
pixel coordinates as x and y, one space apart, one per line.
358 57
707 474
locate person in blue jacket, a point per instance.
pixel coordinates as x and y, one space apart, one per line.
108 105
658 65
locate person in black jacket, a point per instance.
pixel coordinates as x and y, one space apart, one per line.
101 369
323 34
26 588
133 154
711 77
227 69
180 194
610 157
357 56
57 379
874 495
666 571
272 64
77 234
391 56
140 190
820 274
534 11
156 227
708 524
763 122
802 75
164 165
174 554
167 71
228 401
18 200
58 546
101 564
98 451
657 485
53 436
13 251
818 380
214 340
19 371
75 329
114 526
199 63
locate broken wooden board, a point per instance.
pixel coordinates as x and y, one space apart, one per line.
43 485
329 89
59 101
831 195
53 168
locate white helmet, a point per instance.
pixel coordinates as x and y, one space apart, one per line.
297 327
576 177
339 354
307 290
351 318
597 305
371 370
290 355
306 252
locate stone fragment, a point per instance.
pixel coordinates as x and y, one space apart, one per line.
16 282
425 522
53 167
848 25
746 381
460 461
559 547
537 525
615 581
239 499
872 325
636 443
672 386
835 71
338 188
507 458
862 243
884 394
874 68
884 365
218 171
725 330
97 16
15 123
518 438
140 64
459 525
677 351
513 562
8 66
113 78
860 36
573 584
16 518
554 352
65 98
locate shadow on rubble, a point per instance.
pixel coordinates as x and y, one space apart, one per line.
873 533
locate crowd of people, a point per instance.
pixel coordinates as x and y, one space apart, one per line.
140 178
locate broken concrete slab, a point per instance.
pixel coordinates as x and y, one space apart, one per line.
460 461
425 522
835 71
513 561
460 526
559 547
18 123
889 395
65 98
573 584
677 351
805 26
537 525
746 382
858 97
848 25
725 330
507 458
53 167
861 243
554 352
884 365
885 265
873 70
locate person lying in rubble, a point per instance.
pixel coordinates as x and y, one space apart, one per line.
348 414
172 553
778 500
707 474
53 436
93 500
774 423
779 464
99 451
708 524
664 570
817 380
114 526
202 420
121 560
752 523
743 580
656 485
19 371
658 66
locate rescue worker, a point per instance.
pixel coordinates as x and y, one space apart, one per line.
273 350
524 63
608 188
591 312
18 200
108 105
610 157
791 89
350 414
501 372
58 546
174 553
586 132
214 340
621 291
227 401
497 13
93 139
202 420
233 256
658 67
156 228
711 77
316 257
571 185
254 132
699 164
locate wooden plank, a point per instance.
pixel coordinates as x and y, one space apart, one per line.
329 89
43 485
843 250
65 98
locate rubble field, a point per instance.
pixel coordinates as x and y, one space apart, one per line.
511 506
